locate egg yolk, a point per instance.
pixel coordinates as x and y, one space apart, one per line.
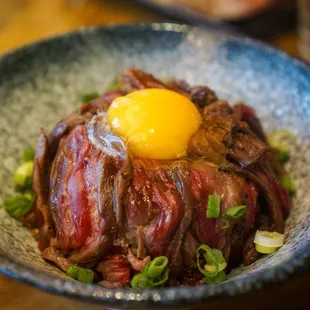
155 123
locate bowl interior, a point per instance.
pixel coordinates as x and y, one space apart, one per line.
41 83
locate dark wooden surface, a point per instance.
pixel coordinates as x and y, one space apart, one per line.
23 21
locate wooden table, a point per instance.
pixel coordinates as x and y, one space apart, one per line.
23 21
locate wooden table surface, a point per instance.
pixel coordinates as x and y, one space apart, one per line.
23 21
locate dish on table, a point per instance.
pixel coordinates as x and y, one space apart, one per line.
224 62
154 184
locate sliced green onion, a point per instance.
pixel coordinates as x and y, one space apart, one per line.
210 259
86 275
140 281
23 174
282 153
113 84
280 140
29 154
156 268
80 274
219 278
268 242
29 196
28 183
220 259
157 271
154 274
73 272
89 97
269 239
236 212
280 137
265 249
288 184
213 209
157 282
18 206
226 224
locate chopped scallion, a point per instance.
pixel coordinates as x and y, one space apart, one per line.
280 137
89 97
226 223
219 278
236 212
140 281
23 174
213 260
80 274
156 268
29 154
213 208
269 239
205 256
85 275
288 184
154 274
280 140
265 249
73 272
157 271
220 259
18 206
282 153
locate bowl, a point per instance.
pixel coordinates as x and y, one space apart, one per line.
44 81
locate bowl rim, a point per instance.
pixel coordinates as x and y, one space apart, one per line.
168 296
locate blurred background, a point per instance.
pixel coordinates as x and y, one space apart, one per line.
23 21
281 23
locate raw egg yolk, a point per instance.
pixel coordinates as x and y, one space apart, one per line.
155 123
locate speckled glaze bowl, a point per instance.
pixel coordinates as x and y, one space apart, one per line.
41 83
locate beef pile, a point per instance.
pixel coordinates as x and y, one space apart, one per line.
98 206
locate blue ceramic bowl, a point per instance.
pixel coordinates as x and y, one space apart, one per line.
42 82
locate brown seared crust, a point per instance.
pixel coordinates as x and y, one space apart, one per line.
53 255
133 79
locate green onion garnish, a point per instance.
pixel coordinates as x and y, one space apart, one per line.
236 212
73 272
89 97
156 268
80 274
279 136
213 259
157 271
85 275
213 208
280 140
154 274
220 259
140 281
288 184
282 153
23 174
205 254
18 206
219 278
29 154
226 223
